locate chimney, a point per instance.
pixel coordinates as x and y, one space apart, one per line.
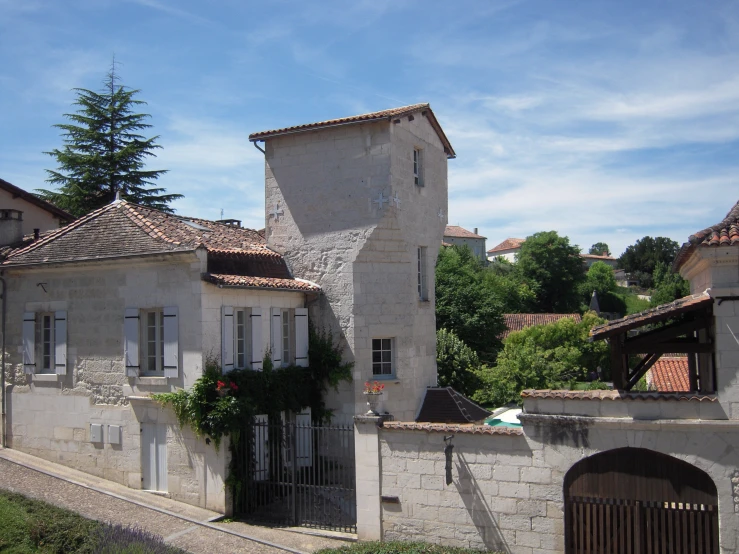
36 233
475 230
11 227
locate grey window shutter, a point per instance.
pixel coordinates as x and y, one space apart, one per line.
171 342
276 333
257 349
304 438
227 338
60 342
29 342
131 341
301 337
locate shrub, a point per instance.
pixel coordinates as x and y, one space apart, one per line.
119 539
456 363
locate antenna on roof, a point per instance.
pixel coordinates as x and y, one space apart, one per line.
221 213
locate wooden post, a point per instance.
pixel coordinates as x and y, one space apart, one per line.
619 369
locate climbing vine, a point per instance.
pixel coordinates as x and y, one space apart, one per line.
219 404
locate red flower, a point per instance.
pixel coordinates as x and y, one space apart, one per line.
234 387
220 385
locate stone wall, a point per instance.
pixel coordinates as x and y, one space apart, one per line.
322 215
507 490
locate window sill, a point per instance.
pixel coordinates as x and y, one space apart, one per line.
151 381
51 377
385 378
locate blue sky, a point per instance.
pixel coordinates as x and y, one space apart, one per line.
605 121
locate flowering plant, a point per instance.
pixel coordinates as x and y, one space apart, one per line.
223 388
373 388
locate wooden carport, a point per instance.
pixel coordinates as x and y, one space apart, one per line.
682 326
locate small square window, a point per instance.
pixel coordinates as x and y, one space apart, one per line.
382 357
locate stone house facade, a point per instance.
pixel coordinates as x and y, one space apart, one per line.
635 460
125 302
459 236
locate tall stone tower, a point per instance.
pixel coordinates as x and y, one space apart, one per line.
359 206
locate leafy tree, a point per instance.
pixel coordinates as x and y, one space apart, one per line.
553 269
543 357
668 285
464 303
599 249
641 258
456 363
600 279
104 153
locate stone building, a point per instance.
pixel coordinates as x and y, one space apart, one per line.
459 236
587 471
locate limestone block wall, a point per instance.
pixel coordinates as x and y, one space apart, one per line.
507 491
322 215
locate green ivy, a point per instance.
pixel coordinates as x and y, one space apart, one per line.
221 405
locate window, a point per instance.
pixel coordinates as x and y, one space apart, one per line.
45 342
422 274
152 344
286 357
417 167
241 334
382 356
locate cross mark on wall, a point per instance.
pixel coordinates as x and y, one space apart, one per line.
276 211
381 200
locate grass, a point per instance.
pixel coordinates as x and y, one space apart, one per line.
634 304
399 548
30 526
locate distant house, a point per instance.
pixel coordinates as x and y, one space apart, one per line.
519 322
590 259
459 236
506 249
23 214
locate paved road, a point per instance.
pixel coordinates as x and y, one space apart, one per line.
181 525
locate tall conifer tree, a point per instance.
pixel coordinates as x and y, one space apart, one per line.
104 153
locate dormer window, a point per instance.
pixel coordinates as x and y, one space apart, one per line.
418 167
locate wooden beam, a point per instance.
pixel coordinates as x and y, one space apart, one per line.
641 369
669 332
677 345
619 364
692 373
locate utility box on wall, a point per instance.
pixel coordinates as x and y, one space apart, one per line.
114 434
96 432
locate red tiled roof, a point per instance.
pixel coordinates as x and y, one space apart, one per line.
460 233
616 395
518 322
36 201
452 428
249 282
507 244
390 114
679 306
670 374
724 233
597 257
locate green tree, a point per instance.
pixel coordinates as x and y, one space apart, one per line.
464 304
599 249
668 285
553 269
104 153
641 258
600 279
456 363
543 357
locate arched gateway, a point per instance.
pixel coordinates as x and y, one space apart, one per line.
636 501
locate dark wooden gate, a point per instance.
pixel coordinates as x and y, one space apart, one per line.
636 501
295 473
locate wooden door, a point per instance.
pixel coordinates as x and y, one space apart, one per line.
154 457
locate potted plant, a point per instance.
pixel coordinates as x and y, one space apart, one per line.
373 392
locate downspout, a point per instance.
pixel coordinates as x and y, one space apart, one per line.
2 372
254 142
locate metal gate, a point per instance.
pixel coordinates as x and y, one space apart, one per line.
295 473
635 501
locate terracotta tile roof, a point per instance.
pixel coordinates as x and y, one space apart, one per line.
445 405
679 306
452 428
616 395
236 256
460 233
250 282
724 233
597 257
36 201
390 114
518 322
507 244
670 374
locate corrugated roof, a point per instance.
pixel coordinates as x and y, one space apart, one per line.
389 115
507 244
460 233
518 322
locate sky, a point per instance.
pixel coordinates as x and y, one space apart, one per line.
605 121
